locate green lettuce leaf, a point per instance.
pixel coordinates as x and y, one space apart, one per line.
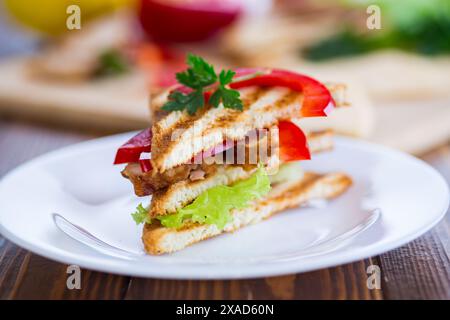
141 215
410 25
214 205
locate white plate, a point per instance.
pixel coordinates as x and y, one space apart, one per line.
80 183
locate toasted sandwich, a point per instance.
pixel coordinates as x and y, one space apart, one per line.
224 152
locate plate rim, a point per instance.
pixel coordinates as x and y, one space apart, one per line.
325 261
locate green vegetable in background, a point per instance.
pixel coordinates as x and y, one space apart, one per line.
112 62
411 25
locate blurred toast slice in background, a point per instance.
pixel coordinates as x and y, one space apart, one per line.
388 75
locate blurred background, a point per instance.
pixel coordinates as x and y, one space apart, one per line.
94 63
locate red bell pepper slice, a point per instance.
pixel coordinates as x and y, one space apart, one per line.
145 165
132 149
317 101
293 144
293 147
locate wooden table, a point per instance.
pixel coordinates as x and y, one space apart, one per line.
418 270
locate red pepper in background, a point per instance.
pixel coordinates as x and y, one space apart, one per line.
293 144
132 149
160 62
186 21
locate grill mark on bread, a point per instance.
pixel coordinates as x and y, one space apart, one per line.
185 121
226 115
263 107
253 96
286 100
166 137
251 104
182 117
163 143
231 115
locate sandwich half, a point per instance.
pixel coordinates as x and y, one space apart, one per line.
224 153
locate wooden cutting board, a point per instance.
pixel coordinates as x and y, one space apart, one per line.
120 104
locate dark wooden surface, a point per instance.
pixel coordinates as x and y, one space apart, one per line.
418 270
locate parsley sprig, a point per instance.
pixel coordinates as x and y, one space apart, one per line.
199 76
230 98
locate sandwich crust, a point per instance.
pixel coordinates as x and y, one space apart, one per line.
159 240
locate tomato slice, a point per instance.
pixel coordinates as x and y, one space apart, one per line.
293 144
186 21
132 149
317 101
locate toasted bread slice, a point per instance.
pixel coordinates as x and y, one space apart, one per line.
158 239
179 194
167 201
83 49
177 136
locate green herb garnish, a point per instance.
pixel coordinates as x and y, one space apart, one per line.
410 25
199 76
230 98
